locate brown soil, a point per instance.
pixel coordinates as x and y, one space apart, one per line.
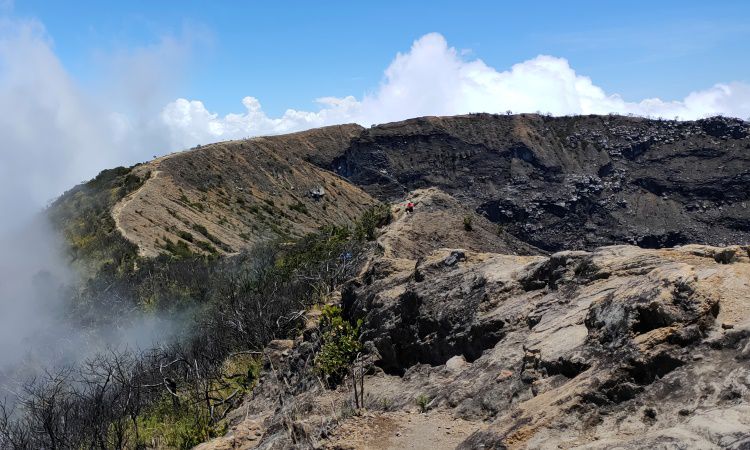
231 195
435 430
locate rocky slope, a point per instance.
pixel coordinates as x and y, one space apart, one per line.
617 347
577 282
571 182
224 197
554 183
437 221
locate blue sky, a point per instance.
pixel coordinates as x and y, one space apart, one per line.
289 53
89 85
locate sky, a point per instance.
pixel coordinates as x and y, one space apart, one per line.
89 85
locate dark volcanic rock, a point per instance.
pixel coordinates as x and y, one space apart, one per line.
571 182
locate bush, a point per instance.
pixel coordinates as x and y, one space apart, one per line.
175 427
340 345
186 236
371 220
422 402
179 250
206 247
299 207
468 223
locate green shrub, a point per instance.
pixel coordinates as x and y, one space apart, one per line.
205 246
468 223
371 220
340 345
422 402
181 427
186 236
179 249
329 242
299 207
201 229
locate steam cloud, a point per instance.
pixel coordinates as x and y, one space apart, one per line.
55 135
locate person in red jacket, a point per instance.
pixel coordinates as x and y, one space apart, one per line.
410 207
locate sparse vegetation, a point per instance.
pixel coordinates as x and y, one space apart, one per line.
340 345
468 223
371 220
205 246
422 402
179 249
201 229
82 216
186 236
178 395
299 207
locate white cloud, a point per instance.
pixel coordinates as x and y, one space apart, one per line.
189 122
50 131
435 79
56 133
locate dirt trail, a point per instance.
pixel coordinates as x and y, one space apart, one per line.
435 430
122 206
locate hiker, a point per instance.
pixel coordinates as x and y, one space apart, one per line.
410 207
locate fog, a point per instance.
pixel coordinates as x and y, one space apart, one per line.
38 327
56 134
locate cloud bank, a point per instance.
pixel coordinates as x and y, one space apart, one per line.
433 78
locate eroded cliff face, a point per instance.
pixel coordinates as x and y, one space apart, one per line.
571 182
555 183
617 347
575 349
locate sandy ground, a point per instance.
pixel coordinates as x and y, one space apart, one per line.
435 430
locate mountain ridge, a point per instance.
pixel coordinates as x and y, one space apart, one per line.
552 182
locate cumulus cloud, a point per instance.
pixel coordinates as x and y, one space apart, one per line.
433 78
60 133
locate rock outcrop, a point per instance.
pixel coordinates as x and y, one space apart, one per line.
438 220
617 347
578 182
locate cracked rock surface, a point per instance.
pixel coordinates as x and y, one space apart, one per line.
616 347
